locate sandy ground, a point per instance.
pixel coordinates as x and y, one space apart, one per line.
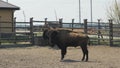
45 57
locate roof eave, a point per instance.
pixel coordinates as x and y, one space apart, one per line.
10 8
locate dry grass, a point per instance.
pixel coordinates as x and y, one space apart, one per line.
44 57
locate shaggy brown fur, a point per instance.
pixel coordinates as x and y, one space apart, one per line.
65 38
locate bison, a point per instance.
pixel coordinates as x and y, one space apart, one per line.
66 38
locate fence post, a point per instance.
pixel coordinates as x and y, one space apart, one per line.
99 32
14 24
72 24
60 22
111 32
14 29
85 26
46 23
31 31
0 30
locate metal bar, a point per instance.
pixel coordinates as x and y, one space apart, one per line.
79 11
91 14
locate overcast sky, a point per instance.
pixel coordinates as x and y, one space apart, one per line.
66 9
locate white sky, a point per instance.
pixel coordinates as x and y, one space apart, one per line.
66 9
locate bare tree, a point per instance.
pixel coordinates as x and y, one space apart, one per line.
114 12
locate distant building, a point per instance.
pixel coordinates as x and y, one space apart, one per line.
7 17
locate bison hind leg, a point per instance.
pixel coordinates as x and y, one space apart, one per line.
85 52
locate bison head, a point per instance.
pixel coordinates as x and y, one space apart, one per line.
45 34
50 35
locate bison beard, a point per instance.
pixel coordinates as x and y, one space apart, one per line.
65 38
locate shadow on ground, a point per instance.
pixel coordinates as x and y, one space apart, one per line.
15 46
69 60
73 61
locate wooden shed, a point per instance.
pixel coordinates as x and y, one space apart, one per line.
7 17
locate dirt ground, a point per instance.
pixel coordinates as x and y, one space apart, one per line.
45 57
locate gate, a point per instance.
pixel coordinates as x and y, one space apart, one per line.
20 34
103 33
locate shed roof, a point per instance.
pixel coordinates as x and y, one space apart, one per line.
6 5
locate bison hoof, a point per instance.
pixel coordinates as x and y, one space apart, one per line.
86 60
61 60
82 59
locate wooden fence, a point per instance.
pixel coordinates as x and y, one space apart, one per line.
103 33
100 33
20 35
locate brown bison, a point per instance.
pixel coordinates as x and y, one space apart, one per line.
65 38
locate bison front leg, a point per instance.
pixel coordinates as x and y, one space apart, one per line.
63 53
82 47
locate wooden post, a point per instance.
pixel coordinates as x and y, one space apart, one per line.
99 32
72 24
60 22
14 24
14 29
46 23
0 30
111 32
85 26
31 31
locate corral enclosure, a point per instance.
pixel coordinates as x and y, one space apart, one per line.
26 56
30 33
